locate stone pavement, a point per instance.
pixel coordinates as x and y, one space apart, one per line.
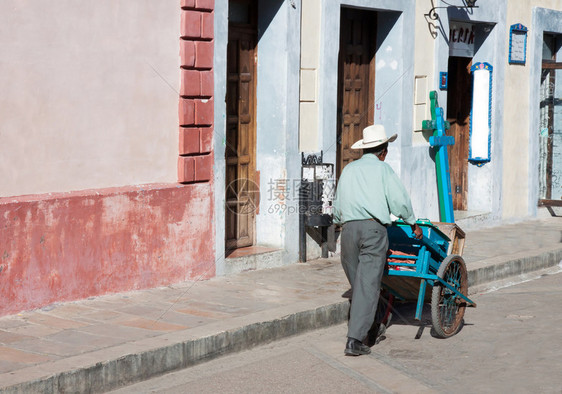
106 342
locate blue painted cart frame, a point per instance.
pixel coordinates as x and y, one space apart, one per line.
418 263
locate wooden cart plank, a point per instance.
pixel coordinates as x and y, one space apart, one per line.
405 287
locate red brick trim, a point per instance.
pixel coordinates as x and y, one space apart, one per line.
203 168
208 5
186 112
186 169
187 53
206 140
190 140
196 104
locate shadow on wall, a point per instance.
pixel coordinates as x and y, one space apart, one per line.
385 24
267 10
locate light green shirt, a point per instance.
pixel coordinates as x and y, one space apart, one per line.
368 188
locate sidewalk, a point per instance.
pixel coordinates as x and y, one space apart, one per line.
106 342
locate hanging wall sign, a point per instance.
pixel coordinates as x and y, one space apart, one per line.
517 44
481 114
461 39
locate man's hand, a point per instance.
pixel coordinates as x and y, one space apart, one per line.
418 233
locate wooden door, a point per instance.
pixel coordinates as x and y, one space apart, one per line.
356 81
459 101
240 151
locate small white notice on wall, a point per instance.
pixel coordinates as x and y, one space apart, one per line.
518 46
481 116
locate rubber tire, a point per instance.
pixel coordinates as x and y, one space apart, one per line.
447 268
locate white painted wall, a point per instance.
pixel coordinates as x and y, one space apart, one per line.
516 177
219 66
89 94
278 158
424 50
519 150
311 29
546 17
484 183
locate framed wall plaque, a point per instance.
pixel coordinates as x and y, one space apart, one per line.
517 44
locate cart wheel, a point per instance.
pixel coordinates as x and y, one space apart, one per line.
447 308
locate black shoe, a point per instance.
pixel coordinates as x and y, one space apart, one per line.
355 348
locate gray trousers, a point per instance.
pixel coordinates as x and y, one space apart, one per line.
364 245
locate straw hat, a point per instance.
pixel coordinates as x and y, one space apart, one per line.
373 136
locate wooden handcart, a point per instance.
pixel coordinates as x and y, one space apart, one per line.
413 264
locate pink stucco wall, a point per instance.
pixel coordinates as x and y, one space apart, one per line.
89 94
69 246
63 246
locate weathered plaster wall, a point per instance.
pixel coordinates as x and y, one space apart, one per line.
394 81
485 187
311 32
219 66
272 83
66 246
516 180
423 69
278 160
292 152
419 157
90 99
484 183
89 94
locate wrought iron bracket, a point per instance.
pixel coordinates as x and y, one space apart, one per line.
469 4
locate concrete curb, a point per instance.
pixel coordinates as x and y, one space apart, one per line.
135 362
111 374
497 269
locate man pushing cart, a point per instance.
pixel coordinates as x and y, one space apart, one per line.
368 192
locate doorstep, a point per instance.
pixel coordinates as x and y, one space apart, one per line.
253 258
460 215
